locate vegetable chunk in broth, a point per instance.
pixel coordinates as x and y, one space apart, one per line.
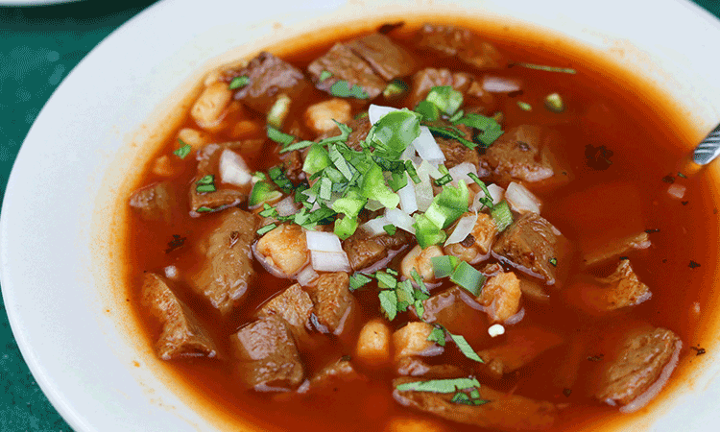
420 229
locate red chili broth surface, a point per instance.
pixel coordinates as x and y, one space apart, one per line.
645 151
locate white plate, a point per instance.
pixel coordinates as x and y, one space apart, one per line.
59 253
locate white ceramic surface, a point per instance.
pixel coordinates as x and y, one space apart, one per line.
58 250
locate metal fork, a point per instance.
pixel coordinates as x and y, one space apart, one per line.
709 148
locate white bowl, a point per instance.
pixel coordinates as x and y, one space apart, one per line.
64 210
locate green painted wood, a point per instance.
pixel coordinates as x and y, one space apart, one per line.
39 46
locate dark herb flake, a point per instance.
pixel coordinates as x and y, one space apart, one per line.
698 350
176 243
693 264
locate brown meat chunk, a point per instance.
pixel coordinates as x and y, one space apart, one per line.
388 59
424 80
456 310
457 153
182 335
293 164
267 357
520 154
360 128
414 366
530 244
333 301
227 270
342 371
268 77
344 64
619 290
209 164
640 362
292 305
364 251
154 203
522 346
461 43
504 412
614 248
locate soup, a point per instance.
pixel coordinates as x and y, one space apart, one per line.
419 228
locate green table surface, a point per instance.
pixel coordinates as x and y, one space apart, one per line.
39 46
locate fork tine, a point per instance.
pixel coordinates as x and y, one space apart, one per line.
709 148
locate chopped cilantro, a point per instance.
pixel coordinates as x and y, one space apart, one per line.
385 280
280 179
206 184
388 303
553 261
464 399
437 335
468 277
343 89
547 68
279 137
449 133
203 209
524 106
184 150
395 89
266 229
440 385
490 129
358 280
325 75
239 82
447 99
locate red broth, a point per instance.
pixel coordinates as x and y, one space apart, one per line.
630 195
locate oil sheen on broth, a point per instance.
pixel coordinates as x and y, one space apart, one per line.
583 261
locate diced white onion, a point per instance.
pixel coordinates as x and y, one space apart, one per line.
400 219
430 169
330 261
307 276
287 206
410 154
408 201
677 191
323 241
521 199
461 171
171 272
376 112
233 169
375 226
427 147
495 84
496 330
496 192
424 189
462 229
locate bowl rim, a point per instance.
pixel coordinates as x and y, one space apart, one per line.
25 332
